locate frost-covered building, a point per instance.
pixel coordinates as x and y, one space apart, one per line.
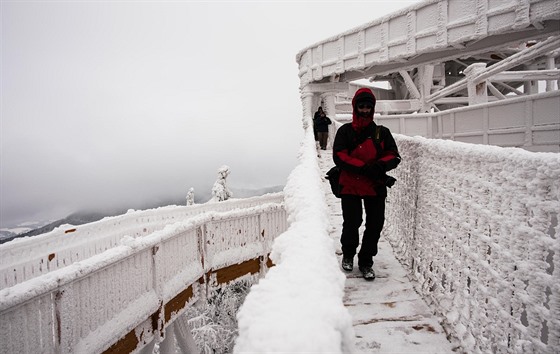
443 57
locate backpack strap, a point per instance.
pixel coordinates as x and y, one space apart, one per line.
377 135
377 138
369 132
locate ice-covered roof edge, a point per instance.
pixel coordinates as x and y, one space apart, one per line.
377 21
429 31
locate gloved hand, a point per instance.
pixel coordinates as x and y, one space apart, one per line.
389 181
372 170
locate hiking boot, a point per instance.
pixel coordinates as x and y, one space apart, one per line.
368 273
347 263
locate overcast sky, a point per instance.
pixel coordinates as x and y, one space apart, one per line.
121 102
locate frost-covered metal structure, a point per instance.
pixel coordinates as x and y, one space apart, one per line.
437 56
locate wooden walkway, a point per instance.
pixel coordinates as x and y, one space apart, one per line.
388 314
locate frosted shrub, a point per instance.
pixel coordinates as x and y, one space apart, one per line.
214 325
209 336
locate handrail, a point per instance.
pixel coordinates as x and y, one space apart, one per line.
142 285
29 257
508 123
477 228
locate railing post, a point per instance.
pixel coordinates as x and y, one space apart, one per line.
426 74
65 314
149 348
307 103
158 288
531 87
477 90
262 267
485 125
528 123
550 65
430 126
203 281
330 111
167 345
185 340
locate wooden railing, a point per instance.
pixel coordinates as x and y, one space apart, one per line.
26 258
122 298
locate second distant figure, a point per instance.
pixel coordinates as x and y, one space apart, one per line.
321 125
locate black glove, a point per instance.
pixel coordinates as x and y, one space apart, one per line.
389 181
373 171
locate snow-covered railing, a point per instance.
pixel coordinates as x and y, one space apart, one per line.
298 307
531 122
121 299
478 228
25 258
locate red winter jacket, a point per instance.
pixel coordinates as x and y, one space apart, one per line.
351 157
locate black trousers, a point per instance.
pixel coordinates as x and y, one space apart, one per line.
323 138
352 216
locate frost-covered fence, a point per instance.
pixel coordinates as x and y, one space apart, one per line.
123 298
25 258
478 228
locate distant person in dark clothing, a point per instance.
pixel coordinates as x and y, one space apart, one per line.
321 126
315 116
363 151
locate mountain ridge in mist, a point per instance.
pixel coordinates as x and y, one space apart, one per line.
86 216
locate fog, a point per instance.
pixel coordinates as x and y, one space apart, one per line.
121 103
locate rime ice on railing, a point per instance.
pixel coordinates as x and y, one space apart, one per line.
26 258
478 228
129 293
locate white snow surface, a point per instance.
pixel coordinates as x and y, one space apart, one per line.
298 306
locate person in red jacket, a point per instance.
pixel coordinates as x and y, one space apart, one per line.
364 152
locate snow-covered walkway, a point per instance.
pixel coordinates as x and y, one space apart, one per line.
388 315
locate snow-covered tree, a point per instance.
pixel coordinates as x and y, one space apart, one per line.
190 196
220 191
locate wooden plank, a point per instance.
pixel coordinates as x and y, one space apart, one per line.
178 303
227 274
130 342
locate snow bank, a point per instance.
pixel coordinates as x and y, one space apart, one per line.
298 306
